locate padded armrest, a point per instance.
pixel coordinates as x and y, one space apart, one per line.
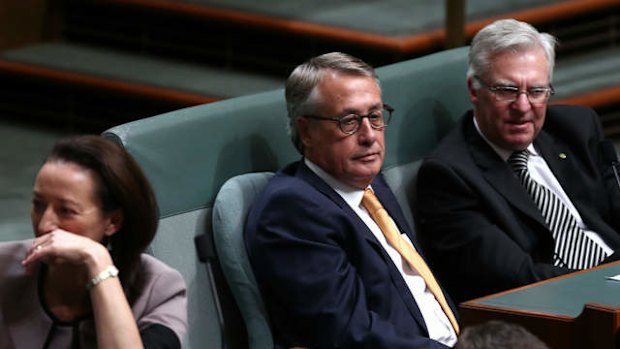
229 211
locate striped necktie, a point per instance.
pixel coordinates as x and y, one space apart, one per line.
573 249
406 250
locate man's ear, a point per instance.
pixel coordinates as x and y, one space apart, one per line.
303 130
115 222
473 93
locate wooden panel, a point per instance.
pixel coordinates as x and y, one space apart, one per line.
597 326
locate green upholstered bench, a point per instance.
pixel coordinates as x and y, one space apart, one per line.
188 154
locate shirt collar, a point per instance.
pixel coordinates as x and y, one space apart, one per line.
503 153
353 196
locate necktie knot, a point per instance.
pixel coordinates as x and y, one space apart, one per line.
376 211
370 201
518 160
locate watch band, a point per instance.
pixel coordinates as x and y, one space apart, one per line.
108 272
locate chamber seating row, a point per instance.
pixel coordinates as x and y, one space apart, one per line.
190 153
232 147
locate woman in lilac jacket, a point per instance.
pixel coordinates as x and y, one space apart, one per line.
83 281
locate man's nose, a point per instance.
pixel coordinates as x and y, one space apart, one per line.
522 103
366 133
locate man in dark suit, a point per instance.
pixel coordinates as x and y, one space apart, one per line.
486 222
328 274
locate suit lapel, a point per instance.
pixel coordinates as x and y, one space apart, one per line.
307 175
556 156
562 162
499 175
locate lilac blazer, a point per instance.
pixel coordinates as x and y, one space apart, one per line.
26 323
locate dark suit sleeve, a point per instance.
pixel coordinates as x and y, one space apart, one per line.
465 242
611 204
301 256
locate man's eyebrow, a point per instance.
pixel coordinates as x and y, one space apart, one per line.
348 111
503 83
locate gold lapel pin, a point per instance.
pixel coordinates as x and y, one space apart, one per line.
562 156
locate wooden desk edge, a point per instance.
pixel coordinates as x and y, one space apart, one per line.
597 326
475 300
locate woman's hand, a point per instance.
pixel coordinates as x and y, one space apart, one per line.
63 247
114 321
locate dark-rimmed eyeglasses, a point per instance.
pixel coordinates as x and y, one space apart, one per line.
509 94
350 123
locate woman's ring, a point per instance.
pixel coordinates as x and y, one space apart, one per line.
38 247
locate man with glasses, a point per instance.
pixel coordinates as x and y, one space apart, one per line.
519 191
335 260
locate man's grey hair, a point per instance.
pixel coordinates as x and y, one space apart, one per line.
300 91
507 35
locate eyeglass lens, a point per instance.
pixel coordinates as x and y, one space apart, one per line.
536 95
511 94
349 124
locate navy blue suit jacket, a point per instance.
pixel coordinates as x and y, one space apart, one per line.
326 281
481 230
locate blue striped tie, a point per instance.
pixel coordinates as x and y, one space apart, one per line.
573 249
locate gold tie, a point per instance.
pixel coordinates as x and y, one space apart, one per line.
406 250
